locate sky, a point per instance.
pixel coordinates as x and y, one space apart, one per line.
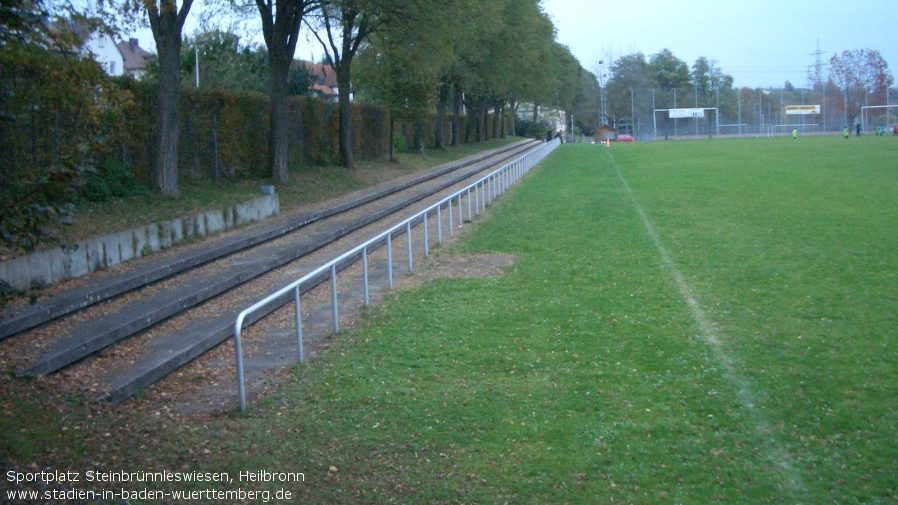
761 43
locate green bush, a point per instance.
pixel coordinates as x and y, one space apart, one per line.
111 180
529 129
53 118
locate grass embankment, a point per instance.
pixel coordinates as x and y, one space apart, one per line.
307 184
584 375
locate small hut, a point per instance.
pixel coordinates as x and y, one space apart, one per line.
604 133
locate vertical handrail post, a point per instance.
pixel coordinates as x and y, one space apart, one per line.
408 241
426 245
390 258
439 224
298 309
334 297
450 217
477 198
238 348
365 272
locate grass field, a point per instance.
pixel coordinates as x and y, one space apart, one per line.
686 322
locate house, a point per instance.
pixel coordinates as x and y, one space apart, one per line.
89 42
604 133
324 83
124 58
103 49
135 58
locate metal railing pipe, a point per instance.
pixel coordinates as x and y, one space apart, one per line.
489 187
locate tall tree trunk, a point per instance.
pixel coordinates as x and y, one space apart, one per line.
456 123
280 26
392 137
440 130
513 127
535 113
166 22
169 48
502 113
470 120
343 81
278 134
483 120
497 117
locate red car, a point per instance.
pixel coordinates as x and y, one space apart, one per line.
624 137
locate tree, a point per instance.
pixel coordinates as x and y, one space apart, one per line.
347 24
864 78
508 55
224 62
281 20
668 71
166 22
527 42
586 103
627 72
534 79
55 112
21 22
701 76
401 76
707 78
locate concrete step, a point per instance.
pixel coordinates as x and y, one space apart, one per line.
171 352
155 270
98 333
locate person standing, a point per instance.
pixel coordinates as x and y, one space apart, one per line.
794 133
857 129
845 132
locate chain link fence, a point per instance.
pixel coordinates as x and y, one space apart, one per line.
742 112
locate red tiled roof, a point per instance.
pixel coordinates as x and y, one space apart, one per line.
326 75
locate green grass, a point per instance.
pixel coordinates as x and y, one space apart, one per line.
582 375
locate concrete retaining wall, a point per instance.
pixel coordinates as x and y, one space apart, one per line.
75 260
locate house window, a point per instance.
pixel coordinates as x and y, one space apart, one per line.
111 68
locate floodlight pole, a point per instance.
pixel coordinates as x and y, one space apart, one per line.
696 106
739 103
717 112
196 53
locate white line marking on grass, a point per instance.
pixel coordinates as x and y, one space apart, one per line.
779 456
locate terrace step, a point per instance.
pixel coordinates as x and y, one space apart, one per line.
95 334
155 270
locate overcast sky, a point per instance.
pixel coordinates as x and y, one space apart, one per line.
759 42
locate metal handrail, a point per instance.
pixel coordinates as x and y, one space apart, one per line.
486 189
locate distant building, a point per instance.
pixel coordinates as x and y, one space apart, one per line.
103 49
324 82
605 132
124 58
134 58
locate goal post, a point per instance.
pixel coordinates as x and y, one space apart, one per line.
866 108
802 127
691 113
